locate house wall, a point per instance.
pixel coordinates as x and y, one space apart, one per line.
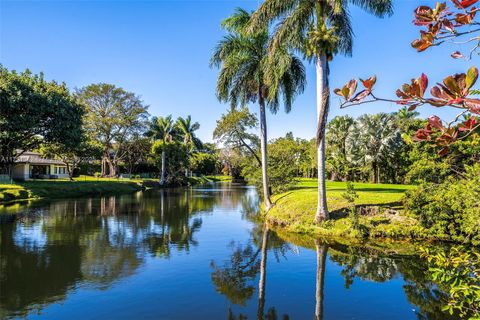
54 169
21 171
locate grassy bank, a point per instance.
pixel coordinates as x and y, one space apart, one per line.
380 205
83 186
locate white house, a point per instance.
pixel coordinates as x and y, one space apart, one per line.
30 165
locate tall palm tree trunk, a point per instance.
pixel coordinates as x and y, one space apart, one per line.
323 94
319 293
263 274
263 146
162 174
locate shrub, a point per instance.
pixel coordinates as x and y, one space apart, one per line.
449 210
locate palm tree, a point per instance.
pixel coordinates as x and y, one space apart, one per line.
320 29
161 129
249 74
186 129
378 140
338 130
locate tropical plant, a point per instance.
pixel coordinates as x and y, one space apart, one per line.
186 129
319 29
378 139
338 130
249 74
161 130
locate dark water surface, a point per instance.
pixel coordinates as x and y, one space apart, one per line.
192 254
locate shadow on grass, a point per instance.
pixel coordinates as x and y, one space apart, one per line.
343 213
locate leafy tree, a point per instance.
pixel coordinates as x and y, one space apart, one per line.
232 161
136 151
174 161
249 74
35 111
113 116
73 156
161 131
203 163
231 130
282 164
320 29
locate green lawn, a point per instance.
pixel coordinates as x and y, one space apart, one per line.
63 188
83 186
294 211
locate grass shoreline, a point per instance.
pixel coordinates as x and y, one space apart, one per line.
381 215
82 186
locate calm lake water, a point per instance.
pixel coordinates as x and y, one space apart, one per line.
192 254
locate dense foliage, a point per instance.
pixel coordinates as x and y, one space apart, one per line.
32 111
457 271
449 210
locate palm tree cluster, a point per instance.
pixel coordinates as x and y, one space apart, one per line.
249 74
363 149
166 133
256 65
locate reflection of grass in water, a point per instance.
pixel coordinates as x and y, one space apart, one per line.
295 211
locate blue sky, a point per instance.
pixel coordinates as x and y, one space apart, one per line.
161 49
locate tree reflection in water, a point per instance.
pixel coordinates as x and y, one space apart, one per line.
374 265
92 242
235 278
65 245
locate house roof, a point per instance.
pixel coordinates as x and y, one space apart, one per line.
34 158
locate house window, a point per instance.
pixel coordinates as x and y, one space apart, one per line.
55 170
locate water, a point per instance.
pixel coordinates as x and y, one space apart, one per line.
192 254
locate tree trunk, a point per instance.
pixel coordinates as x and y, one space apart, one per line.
69 171
263 143
319 294
162 174
323 96
375 172
263 274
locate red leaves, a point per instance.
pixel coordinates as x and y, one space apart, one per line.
435 122
423 134
457 55
465 18
413 91
435 131
468 125
424 16
369 83
348 90
425 41
453 91
464 3
440 23
350 87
